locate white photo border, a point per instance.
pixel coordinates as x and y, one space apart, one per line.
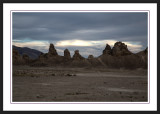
152 98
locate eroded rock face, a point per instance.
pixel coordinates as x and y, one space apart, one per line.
17 58
52 50
94 62
107 50
77 56
67 54
120 49
117 57
90 57
121 57
144 57
146 51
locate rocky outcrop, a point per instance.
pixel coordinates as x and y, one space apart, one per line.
78 60
20 60
94 61
146 51
144 57
128 62
67 54
16 58
120 49
143 53
48 59
52 51
90 57
107 50
117 57
77 56
121 57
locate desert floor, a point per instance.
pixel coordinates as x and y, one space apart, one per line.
55 84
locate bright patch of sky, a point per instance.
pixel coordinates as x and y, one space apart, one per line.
86 47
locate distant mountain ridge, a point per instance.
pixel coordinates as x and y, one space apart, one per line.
32 53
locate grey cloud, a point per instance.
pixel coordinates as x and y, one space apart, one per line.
66 26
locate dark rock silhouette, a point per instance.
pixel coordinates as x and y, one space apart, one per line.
120 49
49 59
52 50
16 57
94 61
67 54
77 56
20 60
143 53
90 57
107 50
128 61
144 57
78 60
121 57
117 57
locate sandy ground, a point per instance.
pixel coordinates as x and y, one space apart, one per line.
49 84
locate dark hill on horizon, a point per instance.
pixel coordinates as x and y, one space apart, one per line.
32 53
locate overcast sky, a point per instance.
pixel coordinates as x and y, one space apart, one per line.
88 31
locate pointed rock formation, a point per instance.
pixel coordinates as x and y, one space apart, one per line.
94 61
120 49
143 53
77 56
67 54
79 61
144 57
90 57
146 51
52 51
121 57
107 50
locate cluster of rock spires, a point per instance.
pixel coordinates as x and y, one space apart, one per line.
119 49
117 57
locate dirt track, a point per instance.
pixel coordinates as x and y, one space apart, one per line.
79 84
